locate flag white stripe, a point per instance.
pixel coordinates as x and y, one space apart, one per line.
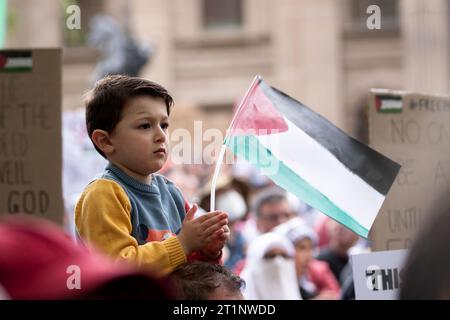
316 165
391 104
18 62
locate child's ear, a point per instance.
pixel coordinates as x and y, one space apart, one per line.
102 140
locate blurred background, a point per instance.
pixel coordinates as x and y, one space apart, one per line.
206 52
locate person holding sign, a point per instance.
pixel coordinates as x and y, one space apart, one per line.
129 211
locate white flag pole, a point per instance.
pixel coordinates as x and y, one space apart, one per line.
224 147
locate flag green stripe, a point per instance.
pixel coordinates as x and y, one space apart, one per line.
249 148
391 110
16 69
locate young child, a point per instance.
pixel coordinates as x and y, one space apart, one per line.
130 212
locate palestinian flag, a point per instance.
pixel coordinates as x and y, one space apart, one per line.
15 61
307 155
388 103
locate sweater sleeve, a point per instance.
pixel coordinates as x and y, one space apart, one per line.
102 218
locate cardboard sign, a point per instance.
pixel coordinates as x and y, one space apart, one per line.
30 133
413 130
377 275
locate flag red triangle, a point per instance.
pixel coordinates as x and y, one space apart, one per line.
258 116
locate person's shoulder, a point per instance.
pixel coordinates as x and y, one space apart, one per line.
101 191
104 185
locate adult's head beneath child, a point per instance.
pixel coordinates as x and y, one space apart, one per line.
127 119
206 281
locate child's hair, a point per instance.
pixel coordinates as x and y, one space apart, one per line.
197 280
105 102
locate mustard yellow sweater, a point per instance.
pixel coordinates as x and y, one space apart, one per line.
130 220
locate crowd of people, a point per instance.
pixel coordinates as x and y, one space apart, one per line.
273 251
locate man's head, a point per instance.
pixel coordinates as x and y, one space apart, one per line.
206 281
271 208
127 120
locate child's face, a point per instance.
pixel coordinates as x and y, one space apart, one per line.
140 144
303 255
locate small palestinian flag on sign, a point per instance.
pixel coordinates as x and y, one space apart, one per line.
15 61
388 103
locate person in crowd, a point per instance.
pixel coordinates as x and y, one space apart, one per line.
315 279
336 254
269 271
130 212
321 229
199 280
425 275
40 261
270 208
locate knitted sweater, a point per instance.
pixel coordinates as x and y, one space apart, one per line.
131 220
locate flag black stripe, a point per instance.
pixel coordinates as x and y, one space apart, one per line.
371 166
16 53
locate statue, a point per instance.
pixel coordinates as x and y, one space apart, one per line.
120 53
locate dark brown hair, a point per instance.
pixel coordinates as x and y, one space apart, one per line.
197 280
105 102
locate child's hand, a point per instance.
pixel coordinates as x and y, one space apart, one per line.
213 248
197 233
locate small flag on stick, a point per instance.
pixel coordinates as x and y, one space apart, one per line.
308 156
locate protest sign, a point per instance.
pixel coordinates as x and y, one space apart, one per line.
377 275
414 130
30 133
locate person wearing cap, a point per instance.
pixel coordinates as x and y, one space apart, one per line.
315 279
198 280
